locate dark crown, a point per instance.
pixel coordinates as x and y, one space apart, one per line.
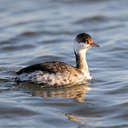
82 37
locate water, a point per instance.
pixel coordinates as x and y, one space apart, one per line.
43 30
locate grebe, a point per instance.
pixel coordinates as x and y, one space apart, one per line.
58 73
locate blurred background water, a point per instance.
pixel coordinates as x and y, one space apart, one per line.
43 30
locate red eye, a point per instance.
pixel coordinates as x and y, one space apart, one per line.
86 42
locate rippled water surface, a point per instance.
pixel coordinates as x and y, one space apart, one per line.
33 31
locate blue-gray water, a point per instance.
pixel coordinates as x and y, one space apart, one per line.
33 31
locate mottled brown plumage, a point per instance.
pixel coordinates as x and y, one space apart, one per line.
52 74
50 67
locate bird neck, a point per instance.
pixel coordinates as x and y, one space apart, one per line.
81 60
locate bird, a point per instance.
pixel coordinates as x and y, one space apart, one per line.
55 73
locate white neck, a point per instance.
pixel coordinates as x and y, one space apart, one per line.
80 53
81 63
81 60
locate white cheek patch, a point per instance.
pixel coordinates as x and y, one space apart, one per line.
80 46
86 46
77 46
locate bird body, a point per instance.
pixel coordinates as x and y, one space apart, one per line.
59 73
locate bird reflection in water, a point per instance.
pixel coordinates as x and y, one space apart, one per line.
77 92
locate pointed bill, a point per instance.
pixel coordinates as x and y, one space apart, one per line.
94 45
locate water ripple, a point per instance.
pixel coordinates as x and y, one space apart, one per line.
38 31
